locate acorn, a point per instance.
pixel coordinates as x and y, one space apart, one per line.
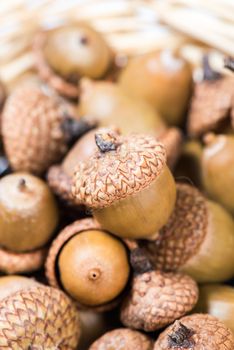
217 300
163 79
42 131
189 165
106 104
28 218
60 176
89 264
218 170
197 332
157 299
127 184
211 106
122 339
198 239
35 316
63 55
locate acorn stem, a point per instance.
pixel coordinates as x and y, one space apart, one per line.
140 262
229 63
22 185
181 337
106 142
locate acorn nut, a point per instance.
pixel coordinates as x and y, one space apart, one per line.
218 170
217 300
127 184
196 332
163 79
28 218
92 266
42 131
33 315
198 239
157 299
122 339
65 54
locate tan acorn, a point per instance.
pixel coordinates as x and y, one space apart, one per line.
122 339
127 184
33 315
198 239
218 170
196 332
217 300
105 104
28 218
211 107
65 54
36 128
89 264
163 79
157 299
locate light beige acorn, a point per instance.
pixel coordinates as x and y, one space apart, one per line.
36 128
218 169
163 79
127 184
122 339
36 316
157 299
65 54
28 218
106 104
198 239
196 332
89 264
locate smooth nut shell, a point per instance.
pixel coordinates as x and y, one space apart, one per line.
122 339
156 299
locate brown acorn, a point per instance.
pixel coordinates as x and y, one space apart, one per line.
157 299
127 184
60 176
217 300
163 79
92 266
33 315
198 239
211 106
106 104
218 170
122 339
28 218
36 128
65 54
196 332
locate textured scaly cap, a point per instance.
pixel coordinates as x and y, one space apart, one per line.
184 233
11 262
122 339
196 332
38 317
32 129
120 168
213 102
157 299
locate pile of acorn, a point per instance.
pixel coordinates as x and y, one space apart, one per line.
116 201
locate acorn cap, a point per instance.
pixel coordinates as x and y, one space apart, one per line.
197 332
12 262
173 141
38 317
184 233
32 129
122 167
122 339
211 106
52 258
157 299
